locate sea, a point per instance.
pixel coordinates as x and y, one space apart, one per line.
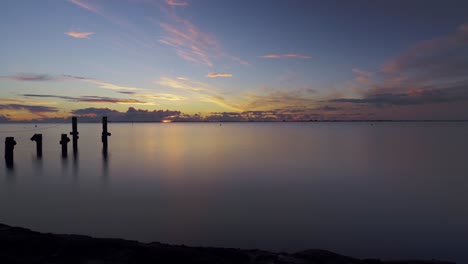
388 190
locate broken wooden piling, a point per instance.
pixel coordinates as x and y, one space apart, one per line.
105 134
64 142
74 134
9 147
38 139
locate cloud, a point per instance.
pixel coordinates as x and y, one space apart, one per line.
111 86
89 99
275 115
215 75
440 53
131 115
279 99
4 119
132 33
36 109
328 108
192 44
183 84
158 96
162 96
101 84
29 77
430 73
411 97
66 77
85 5
286 56
76 34
177 3
189 42
8 100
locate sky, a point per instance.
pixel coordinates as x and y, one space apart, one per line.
226 60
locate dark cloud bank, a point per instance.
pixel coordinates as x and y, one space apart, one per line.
138 115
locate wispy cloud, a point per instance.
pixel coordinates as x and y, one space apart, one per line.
111 86
279 99
286 56
132 33
8 100
215 75
156 96
191 43
66 77
177 3
89 99
434 53
183 84
411 97
85 5
430 72
36 109
80 35
29 77
162 96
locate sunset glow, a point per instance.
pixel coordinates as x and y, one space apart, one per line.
217 60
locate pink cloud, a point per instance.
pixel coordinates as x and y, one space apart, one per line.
417 55
190 42
76 34
286 56
177 3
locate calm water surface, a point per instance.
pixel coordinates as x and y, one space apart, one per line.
388 190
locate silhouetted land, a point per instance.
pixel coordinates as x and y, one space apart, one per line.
19 245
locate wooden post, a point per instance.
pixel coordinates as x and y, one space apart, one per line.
64 142
38 139
9 146
75 133
105 134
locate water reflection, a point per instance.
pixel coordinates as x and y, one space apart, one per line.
76 163
105 166
64 163
10 164
37 164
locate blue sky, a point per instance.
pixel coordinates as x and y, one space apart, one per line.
234 60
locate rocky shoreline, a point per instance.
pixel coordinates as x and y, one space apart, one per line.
20 245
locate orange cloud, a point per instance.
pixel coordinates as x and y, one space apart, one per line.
286 56
176 3
76 34
215 75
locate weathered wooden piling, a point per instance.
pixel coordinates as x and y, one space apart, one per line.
38 139
64 142
9 146
105 134
74 134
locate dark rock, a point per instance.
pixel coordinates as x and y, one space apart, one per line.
19 245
